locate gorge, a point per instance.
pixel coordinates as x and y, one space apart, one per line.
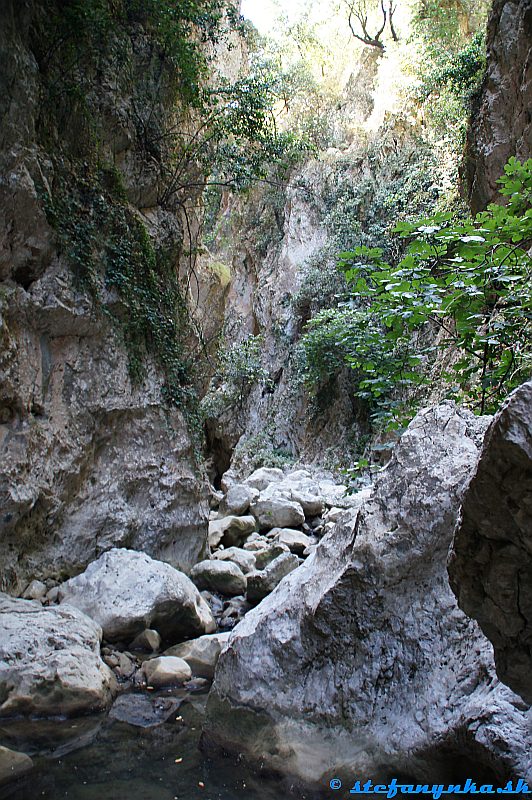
265 397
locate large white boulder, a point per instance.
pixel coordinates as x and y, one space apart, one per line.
127 592
50 660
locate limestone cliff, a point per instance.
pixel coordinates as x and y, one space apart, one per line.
501 123
92 456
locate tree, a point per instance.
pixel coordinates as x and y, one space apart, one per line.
358 18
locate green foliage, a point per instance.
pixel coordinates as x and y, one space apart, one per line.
468 281
452 45
239 369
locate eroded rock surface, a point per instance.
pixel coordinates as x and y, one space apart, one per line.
126 592
491 560
50 661
88 459
360 662
501 125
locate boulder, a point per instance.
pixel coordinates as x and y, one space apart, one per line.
166 671
262 583
230 530
50 661
127 592
223 577
262 477
201 654
490 566
242 558
13 765
143 710
360 662
35 590
148 640
296 541
238 499
277 512
268 554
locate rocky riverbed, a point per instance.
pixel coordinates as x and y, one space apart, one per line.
129 626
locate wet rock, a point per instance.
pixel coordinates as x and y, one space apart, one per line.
35 590
263 477
166 671
277 512
127 592
231 530
142 710
377 664
490 565
149 641
296 541
13 765
50 660
238 499
201 654
224 577
262 583
197 685
244 559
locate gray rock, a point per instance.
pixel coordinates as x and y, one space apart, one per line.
268 554
127 592
262 477
238 499
263 583
228 479
201 654
381 673
52 596
277 512
50 661
166 671
125 667
230 530
244 559
296 541
35 590
219 576
148 640
142 710
490 565
13 765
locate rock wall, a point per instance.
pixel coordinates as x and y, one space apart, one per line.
491 560
501 122
88 459
360 663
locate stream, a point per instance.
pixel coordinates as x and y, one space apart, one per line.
97 758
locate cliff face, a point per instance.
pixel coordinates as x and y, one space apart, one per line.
501 123
89 457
